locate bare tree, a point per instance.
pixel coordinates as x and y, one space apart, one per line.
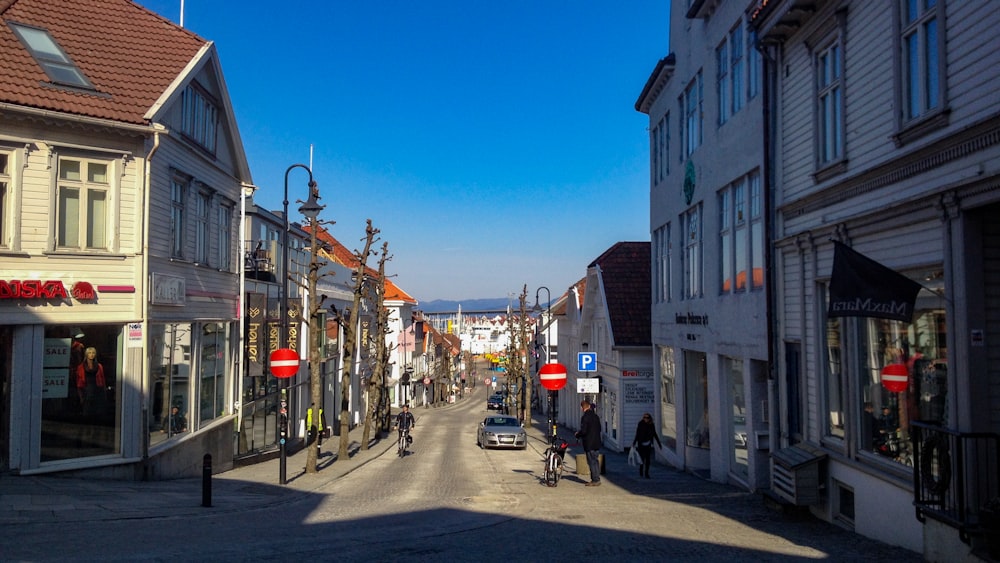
379 359
350 324
517 371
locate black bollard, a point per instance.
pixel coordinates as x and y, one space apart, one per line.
206 481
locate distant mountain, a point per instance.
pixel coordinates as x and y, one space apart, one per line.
468 305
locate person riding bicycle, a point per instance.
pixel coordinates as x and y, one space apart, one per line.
404 420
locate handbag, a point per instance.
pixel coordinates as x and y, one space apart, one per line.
633 457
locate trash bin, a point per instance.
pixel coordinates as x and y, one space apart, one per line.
583 470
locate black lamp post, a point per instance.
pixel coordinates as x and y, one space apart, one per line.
548 354
283 303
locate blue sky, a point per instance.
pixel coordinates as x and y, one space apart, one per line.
495 144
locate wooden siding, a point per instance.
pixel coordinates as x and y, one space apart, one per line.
35 256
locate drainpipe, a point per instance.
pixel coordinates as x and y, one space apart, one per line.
144 284
767 98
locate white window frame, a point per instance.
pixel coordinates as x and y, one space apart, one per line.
225 236
741 233
7 196
736 58
87 224
199 117
692 116
756 230
754 65
202 228
922 59
722 81
660 145
693 249
830 124
662 246
178 215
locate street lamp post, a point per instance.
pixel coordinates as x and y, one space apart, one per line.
283 303
548 353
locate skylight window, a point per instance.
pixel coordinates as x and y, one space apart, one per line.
50 56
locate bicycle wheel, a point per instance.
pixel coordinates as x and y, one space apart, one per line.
557 469
549 475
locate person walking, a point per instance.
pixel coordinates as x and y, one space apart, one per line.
645 433
590 436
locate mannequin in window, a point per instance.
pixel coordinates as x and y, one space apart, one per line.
90 383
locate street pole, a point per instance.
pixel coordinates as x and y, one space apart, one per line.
548 353
283 303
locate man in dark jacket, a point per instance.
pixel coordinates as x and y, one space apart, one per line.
590 437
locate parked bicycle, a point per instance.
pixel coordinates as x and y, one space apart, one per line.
554 456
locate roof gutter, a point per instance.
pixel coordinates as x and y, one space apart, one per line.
63 116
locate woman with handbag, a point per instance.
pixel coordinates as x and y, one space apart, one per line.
645 433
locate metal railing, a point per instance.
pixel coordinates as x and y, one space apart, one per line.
955 475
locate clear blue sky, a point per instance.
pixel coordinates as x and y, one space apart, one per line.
495 144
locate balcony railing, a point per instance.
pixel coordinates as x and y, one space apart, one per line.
261 257
955 475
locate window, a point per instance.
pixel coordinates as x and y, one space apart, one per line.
722 81
201 206
5 200
668 397
212 383
830 122
51 57
170 365
756 232
199 116
692 252
178 187
225 233
729 59
877 417
726 238
696 400
661 149
661 264
754 71
736 62
691 112
741 235
80 399
82 215
922 60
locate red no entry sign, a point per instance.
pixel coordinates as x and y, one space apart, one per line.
427 381
553 376
284 363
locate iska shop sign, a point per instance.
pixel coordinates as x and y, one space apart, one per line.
45 290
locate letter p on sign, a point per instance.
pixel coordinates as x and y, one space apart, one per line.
586 361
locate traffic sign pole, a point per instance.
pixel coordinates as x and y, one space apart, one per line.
553 378
284 363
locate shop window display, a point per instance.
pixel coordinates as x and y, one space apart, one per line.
902 376
80 392
169 380
696 388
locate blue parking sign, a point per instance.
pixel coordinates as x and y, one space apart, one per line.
586 361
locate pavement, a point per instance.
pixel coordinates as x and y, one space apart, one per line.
52 499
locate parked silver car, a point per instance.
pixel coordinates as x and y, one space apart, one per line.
501 431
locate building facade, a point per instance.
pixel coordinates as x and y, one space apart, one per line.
708 229
121 176
884 138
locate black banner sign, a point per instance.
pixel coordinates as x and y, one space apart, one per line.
861 287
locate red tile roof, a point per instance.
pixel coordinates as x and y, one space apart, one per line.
341 255
129 54
625 271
